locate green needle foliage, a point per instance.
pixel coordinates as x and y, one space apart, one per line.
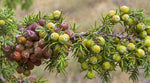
130 61
99 50
7 70
8 26
7 15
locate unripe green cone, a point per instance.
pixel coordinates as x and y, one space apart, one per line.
148 30
95 66
148 49
67 37
141 27
122 49
101 40
80 54
42 34
116 57
10 19
90 75
102 70
51 16
50 26
140 53
143 34
147 37
54 36
57 14
131 47
90 43
124 9
129 22
93 60
147 42
116 40
96 48
84 65
106 65
125 17
111 67
63 39
99 58
116 18
2 22
111 13
84 42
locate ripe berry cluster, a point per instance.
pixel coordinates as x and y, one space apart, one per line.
28 49
40 41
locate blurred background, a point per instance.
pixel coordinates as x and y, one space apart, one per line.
83 13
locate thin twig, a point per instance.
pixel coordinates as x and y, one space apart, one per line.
121 36
80 34
86 33
117 35
129 37
99 31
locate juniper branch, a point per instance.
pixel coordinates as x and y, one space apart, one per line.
119 35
